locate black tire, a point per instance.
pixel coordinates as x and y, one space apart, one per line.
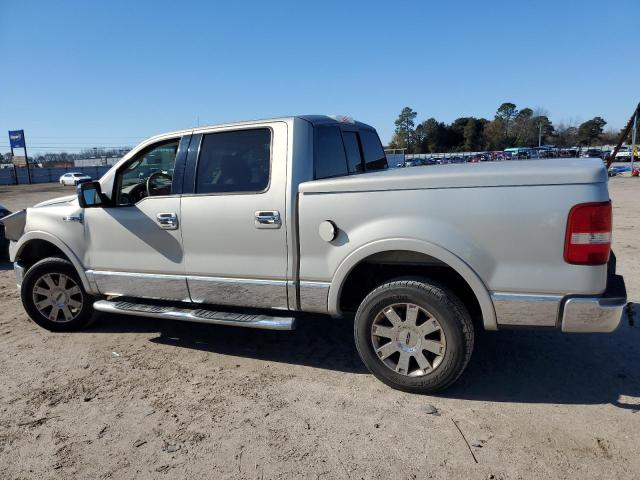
451 314
82 316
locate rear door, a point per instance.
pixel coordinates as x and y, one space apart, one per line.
233 213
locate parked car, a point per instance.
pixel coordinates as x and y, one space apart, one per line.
618 170
4 243
623 155
263 220
592 153
74 178
413 162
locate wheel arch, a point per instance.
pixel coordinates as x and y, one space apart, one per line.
36 245
420 247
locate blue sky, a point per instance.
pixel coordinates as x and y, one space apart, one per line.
81 73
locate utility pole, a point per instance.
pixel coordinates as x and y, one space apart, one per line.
540 134
15 170
26 161
633 138
624 135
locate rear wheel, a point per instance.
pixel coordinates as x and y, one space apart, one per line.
414 335
53 296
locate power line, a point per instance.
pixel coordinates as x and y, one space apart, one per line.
78 136
89 146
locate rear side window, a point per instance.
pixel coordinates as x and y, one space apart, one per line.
374 157
329 158
352 147
237 161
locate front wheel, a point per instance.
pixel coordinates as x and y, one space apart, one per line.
53 296
414 335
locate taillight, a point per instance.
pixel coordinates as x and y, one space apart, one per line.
588 240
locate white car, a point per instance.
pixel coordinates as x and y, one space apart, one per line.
74 178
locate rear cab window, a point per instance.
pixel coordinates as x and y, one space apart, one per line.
374 157
354 153
330 159
346 150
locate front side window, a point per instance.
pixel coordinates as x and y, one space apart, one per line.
235 161
149 174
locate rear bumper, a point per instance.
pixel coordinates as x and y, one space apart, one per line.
596 314
570 313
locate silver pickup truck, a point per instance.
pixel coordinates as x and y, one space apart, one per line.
252 223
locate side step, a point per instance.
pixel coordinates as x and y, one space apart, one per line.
200 315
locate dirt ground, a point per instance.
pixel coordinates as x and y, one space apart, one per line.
139 398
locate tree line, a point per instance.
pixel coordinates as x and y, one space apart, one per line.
510 127
64 157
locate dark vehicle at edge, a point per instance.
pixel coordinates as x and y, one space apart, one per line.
4 243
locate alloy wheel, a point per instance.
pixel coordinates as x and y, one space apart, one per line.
57 297
408 339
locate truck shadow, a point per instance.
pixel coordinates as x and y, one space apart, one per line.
551 367
506 366
318 341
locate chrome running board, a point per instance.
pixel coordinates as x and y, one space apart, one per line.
200 315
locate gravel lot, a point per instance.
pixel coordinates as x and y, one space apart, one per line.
140 398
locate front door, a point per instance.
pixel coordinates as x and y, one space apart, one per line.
233 219
135 245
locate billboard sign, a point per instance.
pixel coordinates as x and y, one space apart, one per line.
16 138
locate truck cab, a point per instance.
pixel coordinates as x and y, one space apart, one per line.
209 215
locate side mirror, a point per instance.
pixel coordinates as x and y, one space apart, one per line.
90 195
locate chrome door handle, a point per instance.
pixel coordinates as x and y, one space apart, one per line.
267 219
167 221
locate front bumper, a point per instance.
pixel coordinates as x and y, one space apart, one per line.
596 314
19 271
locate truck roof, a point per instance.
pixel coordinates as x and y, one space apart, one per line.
313 119
337 119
